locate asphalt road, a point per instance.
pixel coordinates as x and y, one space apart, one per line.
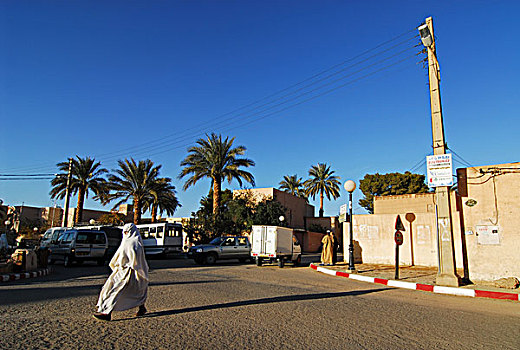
241 306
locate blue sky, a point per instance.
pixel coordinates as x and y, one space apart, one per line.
108 79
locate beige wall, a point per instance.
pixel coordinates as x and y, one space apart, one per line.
89 214
496 193
374 239
414 203
53 216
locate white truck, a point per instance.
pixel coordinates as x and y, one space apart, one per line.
274 243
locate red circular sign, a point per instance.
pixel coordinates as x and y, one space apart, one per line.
398 237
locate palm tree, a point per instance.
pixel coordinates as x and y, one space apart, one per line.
133 180
322 181
215 158
86 176
162 198
293 185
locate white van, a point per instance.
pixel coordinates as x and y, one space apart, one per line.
79 245
274 243
50 235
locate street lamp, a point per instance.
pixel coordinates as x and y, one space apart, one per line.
92 221
282 219
426 36
350 186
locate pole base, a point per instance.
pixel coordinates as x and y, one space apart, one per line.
448 280
351 270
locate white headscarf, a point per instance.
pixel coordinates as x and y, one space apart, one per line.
131 252
133 232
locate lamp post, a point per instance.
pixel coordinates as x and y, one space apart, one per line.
350 186
282 219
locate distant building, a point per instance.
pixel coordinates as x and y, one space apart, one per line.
297 208
30 217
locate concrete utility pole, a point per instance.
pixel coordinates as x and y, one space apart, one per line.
447 274
67 196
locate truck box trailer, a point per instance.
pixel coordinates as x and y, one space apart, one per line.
274 243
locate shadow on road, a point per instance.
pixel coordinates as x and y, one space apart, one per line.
281 299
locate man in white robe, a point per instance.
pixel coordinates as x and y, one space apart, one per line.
127 286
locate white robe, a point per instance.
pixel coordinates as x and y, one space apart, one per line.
127 285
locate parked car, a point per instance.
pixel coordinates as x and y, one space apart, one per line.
114 236
221 248
79 245
50 235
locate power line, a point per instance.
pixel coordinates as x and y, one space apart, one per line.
164 146
215 120
246 122
419 164
247 114
25 175
169 146
462 159
26 178
298 103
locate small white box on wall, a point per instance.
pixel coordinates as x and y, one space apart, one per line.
487 234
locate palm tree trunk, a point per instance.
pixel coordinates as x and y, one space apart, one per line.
217 186
79 207
321 204
137 211
154 213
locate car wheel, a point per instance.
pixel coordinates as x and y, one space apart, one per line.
298 261
280 263
211 259
67 261
258 261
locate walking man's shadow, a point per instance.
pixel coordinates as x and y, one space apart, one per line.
260 301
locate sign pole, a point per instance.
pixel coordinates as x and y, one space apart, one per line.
396 261
398 238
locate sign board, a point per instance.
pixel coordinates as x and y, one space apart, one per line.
440 170
343 213
487 235
398 237
399 224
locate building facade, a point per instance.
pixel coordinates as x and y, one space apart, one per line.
485 217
